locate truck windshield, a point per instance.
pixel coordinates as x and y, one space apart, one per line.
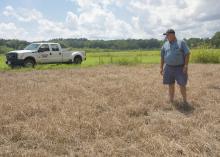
32 47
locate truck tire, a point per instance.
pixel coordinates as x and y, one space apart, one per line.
29 63
77 60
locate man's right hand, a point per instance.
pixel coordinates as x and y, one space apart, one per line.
161 71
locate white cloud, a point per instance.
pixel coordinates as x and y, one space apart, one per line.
101 19
89 4
11 31
72 20
99 23
22 14
183 15
45 29
9 10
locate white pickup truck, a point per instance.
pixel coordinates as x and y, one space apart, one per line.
43 53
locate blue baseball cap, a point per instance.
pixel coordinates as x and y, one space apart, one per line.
169 31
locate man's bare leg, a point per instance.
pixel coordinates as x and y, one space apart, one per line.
171 92
183 92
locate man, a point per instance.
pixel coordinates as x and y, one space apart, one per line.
175 55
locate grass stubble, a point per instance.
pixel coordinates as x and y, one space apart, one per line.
108 110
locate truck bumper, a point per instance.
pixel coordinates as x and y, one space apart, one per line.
15 62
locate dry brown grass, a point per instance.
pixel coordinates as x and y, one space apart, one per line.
108 111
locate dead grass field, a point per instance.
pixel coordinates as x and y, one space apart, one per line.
108 111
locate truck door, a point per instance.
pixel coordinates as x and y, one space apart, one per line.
44 54
56 53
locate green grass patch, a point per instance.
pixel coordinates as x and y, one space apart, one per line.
125 57
3 66
100 57
206 56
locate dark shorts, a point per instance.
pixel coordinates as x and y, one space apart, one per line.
174 73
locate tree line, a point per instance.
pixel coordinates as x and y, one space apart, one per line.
129 44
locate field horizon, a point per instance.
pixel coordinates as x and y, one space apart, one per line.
97 57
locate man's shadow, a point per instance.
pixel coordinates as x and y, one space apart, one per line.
185 108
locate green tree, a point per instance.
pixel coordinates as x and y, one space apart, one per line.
216 40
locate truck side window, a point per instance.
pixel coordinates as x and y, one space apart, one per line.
55 47
44 47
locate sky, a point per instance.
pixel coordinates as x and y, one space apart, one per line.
35 20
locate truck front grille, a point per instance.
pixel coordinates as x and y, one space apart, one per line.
11 56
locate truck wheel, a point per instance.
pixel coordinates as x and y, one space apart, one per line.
29 63
77 60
